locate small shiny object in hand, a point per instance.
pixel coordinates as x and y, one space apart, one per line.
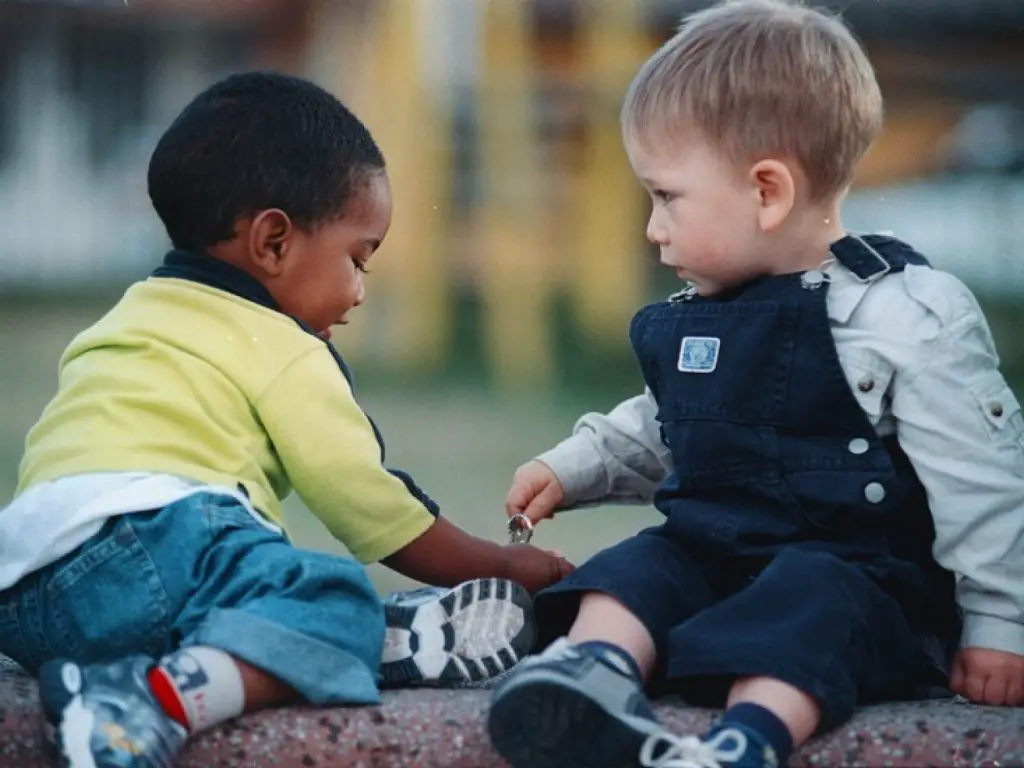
520 529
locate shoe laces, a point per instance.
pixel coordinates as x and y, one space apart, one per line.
693 752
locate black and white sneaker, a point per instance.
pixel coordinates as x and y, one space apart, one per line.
468 634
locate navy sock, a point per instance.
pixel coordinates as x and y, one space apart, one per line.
603 648
763 728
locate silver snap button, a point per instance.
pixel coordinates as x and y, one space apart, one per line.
812 279
866 384
874 492
996 409
858 446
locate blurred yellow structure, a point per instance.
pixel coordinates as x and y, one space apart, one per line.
527 239
413 133
607 283
514 244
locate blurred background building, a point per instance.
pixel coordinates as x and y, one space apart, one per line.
499 305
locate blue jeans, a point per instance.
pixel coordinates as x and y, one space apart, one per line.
202 571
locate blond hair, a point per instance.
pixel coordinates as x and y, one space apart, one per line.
762 78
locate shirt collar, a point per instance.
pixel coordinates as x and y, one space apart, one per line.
206 270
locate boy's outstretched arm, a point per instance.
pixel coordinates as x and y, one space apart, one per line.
618 457
961 426
446 555
334 462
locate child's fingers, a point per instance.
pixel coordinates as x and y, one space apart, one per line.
1015 692
956 676
564 568
519 497
542 506
974 687
995 690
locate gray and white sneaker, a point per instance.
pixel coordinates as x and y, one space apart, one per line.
470 633
105 716
578 707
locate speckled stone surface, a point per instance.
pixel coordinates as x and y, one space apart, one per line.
445 729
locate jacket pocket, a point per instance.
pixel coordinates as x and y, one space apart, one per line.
1001 413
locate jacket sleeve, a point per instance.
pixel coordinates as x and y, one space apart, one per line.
618 457
961 426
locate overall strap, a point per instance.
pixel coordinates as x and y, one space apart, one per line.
872 257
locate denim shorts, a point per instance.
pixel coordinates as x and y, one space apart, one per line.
203 571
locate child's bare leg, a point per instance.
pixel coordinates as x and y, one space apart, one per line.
604 619
798 711
263 690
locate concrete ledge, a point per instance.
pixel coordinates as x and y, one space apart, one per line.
446 729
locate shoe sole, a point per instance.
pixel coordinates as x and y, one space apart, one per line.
66 728
544 723
468 634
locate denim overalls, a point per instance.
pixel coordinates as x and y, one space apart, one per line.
797 542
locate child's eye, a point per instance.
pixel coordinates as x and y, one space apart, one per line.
361 266
662 196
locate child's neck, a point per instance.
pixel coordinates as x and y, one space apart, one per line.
804 242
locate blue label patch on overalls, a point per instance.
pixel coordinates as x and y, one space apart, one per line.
699 354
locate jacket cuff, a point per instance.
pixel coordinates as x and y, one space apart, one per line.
992 632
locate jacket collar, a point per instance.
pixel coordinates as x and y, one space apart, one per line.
206 270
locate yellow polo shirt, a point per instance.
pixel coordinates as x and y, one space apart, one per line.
183 379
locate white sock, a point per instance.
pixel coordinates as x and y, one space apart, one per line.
207 683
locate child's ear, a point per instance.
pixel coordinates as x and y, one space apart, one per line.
776 193
269 239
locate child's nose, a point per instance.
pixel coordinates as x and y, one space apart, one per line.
655 232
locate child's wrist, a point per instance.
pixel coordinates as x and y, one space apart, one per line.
507 562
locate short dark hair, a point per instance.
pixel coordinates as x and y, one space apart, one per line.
255 141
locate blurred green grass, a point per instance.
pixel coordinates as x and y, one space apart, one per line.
460 437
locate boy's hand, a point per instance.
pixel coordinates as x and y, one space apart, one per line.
535 568
989 677
536 492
